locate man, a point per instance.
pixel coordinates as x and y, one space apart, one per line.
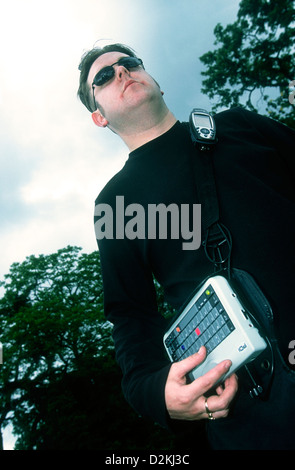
254 169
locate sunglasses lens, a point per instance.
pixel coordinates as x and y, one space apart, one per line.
104 76
130 62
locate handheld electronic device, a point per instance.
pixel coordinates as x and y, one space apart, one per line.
203 129
214 318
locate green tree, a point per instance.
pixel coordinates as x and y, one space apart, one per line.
51 319
60 386
253 63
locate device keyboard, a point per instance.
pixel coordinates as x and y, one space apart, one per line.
205 324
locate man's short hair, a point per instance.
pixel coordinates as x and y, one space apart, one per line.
84 91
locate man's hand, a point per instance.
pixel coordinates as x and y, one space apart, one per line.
186 401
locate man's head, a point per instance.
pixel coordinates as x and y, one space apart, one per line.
85 92
121 95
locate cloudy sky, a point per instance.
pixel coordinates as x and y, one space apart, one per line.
54 161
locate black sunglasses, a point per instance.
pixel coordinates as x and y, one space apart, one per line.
108 72
105 74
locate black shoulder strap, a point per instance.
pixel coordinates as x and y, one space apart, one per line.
216 238
206 187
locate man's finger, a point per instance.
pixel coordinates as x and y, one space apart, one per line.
221 402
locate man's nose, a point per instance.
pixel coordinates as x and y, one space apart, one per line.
121 71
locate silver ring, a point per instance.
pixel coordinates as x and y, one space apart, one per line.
209 412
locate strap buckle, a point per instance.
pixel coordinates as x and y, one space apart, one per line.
218 244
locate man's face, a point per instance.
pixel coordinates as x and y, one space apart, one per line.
127 95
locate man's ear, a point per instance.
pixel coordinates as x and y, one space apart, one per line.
98 119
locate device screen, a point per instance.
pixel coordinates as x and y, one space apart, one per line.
202 120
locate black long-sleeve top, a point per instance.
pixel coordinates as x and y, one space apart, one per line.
254 168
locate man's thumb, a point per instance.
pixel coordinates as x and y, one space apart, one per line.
181 368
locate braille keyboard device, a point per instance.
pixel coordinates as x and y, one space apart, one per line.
216 319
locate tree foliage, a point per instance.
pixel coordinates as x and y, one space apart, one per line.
59 383
253 64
